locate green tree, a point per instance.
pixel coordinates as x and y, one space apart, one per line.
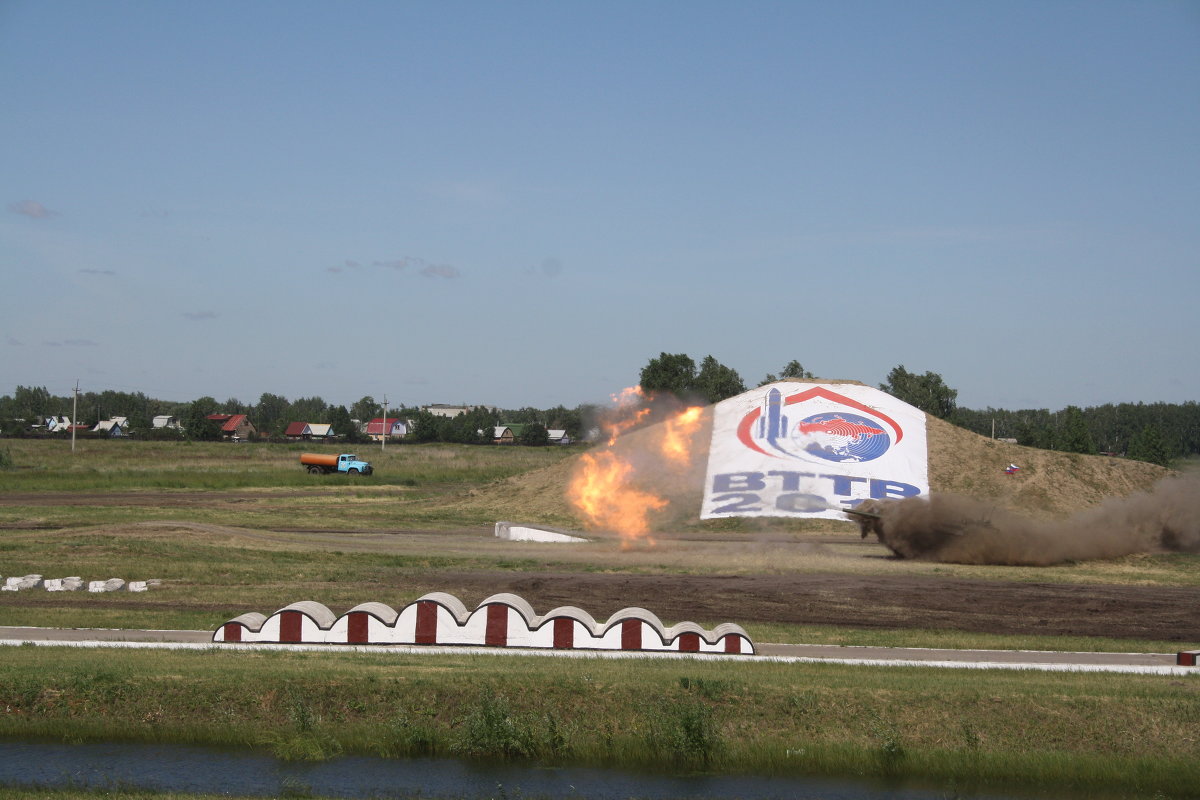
481 423
466 428
339 420
270 412
927 392
33 402
306 409
1073 434
196 424
673 373
366 409
425 427
715 381
534 435
793 370
1148 445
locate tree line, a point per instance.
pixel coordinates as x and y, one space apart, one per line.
1156 432
273 413
1159 433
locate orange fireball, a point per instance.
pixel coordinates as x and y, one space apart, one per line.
607 489
602 492
677 435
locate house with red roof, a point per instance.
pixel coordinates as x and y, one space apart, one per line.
236 427
298 431
392 427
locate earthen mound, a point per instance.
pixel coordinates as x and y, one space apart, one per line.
1048 485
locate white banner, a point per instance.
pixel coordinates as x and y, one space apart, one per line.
807 450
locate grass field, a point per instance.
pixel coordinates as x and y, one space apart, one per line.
230 528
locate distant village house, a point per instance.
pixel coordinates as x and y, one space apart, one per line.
117 426
308 431
443 410
236 427
390 428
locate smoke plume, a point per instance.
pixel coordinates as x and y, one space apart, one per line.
962 530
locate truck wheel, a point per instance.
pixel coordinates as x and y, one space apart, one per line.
314 470
352 471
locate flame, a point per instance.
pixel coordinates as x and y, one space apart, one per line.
607 489
602 491
677 435
623 419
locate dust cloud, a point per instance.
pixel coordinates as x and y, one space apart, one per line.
962 530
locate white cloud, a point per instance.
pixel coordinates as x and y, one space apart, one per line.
423 267
549 268
397 264
441 271
32 208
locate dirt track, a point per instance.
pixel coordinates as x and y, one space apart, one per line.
1117 611
1133 612
1168 614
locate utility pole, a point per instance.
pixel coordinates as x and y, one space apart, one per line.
74 414
383 438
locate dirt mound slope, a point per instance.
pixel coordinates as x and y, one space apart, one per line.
1048 484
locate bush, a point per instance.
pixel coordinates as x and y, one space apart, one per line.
491 730
687 731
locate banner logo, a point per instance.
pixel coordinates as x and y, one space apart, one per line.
856 434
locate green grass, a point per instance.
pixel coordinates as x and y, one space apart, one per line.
985 729
124 465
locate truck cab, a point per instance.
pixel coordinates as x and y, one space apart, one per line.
349 463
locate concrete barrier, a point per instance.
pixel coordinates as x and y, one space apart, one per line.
72 584
532 533
110 585
16 584
502 620
75 583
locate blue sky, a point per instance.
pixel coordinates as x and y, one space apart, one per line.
521 203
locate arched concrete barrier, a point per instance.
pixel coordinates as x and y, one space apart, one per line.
502 620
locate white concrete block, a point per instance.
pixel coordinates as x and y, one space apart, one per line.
110 585
15 584
528 533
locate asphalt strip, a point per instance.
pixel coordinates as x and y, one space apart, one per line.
1131 669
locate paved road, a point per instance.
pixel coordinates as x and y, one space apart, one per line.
1146 663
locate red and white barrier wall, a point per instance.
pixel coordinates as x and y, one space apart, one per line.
502 620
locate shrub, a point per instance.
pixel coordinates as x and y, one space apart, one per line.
686 730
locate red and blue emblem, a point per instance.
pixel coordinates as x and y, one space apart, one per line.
850 432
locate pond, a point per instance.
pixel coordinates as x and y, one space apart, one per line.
174 768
